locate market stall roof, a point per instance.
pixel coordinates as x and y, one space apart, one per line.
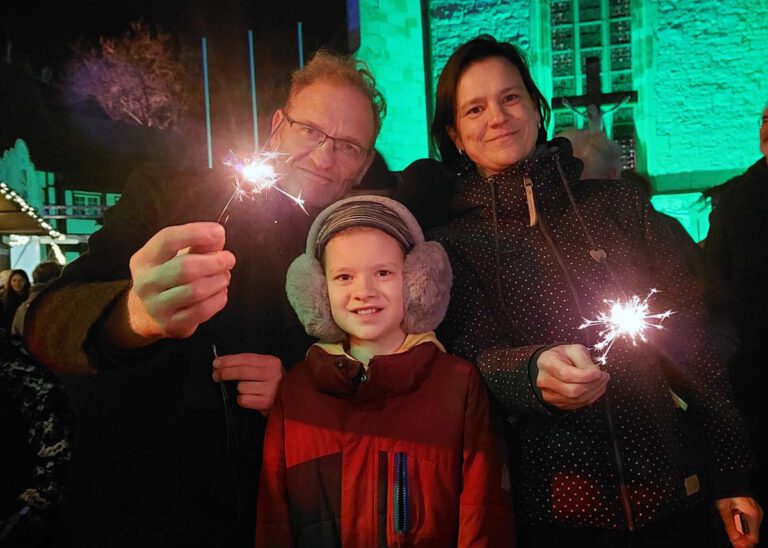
18 217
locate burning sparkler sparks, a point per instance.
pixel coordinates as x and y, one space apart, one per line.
255 175
628 320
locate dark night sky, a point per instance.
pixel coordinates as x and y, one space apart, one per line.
43 28
40 30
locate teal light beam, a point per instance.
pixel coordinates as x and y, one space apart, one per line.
301 43
253 94
207 103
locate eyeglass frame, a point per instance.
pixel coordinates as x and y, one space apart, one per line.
334 140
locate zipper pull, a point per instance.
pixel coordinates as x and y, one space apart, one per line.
532 217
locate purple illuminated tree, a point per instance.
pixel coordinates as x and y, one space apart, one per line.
141 77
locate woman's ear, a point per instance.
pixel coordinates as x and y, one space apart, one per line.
454 135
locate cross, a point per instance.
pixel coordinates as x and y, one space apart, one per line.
594 99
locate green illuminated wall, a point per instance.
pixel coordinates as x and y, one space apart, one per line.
700 68
392 42
707 84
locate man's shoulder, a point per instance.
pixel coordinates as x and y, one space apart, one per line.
426 188
741 188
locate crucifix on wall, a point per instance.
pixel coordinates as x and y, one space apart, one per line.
594 100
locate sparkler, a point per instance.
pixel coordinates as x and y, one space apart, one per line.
255 175
628 320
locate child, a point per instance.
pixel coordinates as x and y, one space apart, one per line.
378 438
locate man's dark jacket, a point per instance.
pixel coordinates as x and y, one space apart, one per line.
736 293
159 460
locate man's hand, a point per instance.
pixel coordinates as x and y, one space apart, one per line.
259 377
173 290
752 514
568 378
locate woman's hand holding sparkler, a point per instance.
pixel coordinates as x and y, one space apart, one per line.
259 376
179 280
568 378
742 517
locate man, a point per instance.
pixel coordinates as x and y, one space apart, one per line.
163 456
736 292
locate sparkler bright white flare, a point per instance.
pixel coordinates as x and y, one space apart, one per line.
628 320
255 175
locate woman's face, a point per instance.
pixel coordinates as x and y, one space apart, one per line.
18 282
497 122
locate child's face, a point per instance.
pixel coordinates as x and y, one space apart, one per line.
364 272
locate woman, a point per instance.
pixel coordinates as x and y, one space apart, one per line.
597 456
16 291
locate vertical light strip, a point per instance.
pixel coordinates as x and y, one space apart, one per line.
253 94
300 38
207 104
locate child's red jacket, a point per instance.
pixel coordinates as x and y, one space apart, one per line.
403 454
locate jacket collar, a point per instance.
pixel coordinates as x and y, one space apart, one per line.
343 376
759 170
505 190
411 340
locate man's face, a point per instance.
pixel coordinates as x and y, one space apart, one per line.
764 134
323 174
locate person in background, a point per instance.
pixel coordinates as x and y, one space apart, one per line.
4 275
601 155
736 291
42 275
36 427
378 437
166 456
16 291
631 453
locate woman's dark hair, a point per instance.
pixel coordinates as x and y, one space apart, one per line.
11 300
482 47
9 289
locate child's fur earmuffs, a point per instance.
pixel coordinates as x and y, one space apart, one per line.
427 279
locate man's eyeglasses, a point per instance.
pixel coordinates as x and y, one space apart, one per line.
762 121
315 138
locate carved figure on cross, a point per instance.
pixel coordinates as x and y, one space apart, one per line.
594 99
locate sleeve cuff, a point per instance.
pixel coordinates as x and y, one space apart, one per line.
533 373
731 484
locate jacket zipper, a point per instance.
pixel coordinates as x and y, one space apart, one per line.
400 498
536 218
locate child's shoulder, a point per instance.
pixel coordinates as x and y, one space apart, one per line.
457 364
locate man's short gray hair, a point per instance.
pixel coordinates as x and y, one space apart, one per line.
344 69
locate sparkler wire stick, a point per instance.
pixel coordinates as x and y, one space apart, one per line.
629 320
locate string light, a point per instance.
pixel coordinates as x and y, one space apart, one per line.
24 207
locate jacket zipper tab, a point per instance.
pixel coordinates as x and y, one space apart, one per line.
532 216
